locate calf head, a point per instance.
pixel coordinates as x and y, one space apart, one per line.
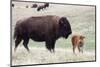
81 41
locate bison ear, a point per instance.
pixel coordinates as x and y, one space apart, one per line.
63 20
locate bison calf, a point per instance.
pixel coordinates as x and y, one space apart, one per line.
78 41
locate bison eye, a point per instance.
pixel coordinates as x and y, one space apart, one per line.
64 25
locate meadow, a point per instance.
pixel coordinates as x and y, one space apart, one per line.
82 20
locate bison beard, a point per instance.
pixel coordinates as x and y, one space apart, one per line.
41 28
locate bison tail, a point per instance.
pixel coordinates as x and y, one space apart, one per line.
15 34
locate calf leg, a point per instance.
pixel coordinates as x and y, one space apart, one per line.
79 49
74 49
82 50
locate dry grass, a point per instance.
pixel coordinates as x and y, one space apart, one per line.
41 56
82 20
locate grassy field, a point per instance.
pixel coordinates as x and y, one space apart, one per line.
82 20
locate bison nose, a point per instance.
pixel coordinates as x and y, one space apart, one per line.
70 32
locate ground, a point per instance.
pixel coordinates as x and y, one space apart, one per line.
42 56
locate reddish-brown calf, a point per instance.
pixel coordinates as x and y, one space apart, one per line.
78 41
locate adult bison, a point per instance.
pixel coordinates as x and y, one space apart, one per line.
41 7
34 6
46 5
41 28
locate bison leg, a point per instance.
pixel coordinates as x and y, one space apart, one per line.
50 45
25 43
17 41
53 46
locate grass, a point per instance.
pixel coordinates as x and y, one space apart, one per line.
42 56
82 20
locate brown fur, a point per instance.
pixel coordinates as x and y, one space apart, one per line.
77 41
41 28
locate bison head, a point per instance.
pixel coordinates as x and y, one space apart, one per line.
64 27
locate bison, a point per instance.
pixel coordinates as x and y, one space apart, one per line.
78 41
40 8
43 6
13 5
41 28
46 5
34 6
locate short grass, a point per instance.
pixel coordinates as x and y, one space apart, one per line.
43 56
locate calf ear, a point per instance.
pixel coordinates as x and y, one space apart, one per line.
82 37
